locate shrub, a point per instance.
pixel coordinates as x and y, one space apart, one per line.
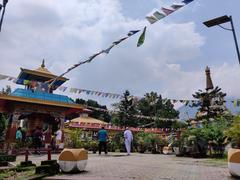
233 133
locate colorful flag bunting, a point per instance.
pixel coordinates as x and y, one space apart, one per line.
151 19
167 11
142 37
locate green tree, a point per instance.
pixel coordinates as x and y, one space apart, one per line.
126 111
233 133
101 114
154 106
214 133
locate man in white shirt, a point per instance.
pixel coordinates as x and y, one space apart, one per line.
128 140
58 137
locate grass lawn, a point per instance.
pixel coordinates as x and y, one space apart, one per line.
13 174
217 161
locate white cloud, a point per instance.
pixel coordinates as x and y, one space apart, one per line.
65 32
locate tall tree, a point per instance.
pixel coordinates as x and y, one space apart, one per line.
101 114
126 109
154 106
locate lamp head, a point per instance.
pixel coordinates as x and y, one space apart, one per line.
217 21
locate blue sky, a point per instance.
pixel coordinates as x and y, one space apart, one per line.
171 62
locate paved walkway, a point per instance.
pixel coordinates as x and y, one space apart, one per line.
117 166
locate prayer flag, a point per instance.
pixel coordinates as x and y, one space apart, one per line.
120 40
142 37
15 80
159 15
3 77
93 56
108 49
10 78
235 103
151 19
26 82
238 103
187 1
167 11
60 88
73 90
133 32
177 6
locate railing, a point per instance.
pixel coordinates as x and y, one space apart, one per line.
117 128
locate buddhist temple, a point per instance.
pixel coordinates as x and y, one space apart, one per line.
35 104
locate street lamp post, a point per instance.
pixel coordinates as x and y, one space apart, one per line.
3 6
220 20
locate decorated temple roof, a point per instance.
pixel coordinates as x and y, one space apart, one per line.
27 93
41 74
25 96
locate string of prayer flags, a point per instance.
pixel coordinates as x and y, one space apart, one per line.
166 11
142 37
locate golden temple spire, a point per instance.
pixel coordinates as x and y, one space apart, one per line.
43 63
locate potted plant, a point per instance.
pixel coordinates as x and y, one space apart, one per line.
93 146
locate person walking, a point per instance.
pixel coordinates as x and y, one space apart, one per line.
37 139
58 138
102 138
128 137
19 135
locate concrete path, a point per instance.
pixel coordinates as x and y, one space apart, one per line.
116 166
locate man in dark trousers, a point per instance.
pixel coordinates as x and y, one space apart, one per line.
102 138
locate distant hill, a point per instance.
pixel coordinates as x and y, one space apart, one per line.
190 112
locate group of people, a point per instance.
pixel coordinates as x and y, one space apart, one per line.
103 138
37 137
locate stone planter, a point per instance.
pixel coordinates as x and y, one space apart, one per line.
234 162
73 160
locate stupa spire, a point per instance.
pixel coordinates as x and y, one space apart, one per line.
209 84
